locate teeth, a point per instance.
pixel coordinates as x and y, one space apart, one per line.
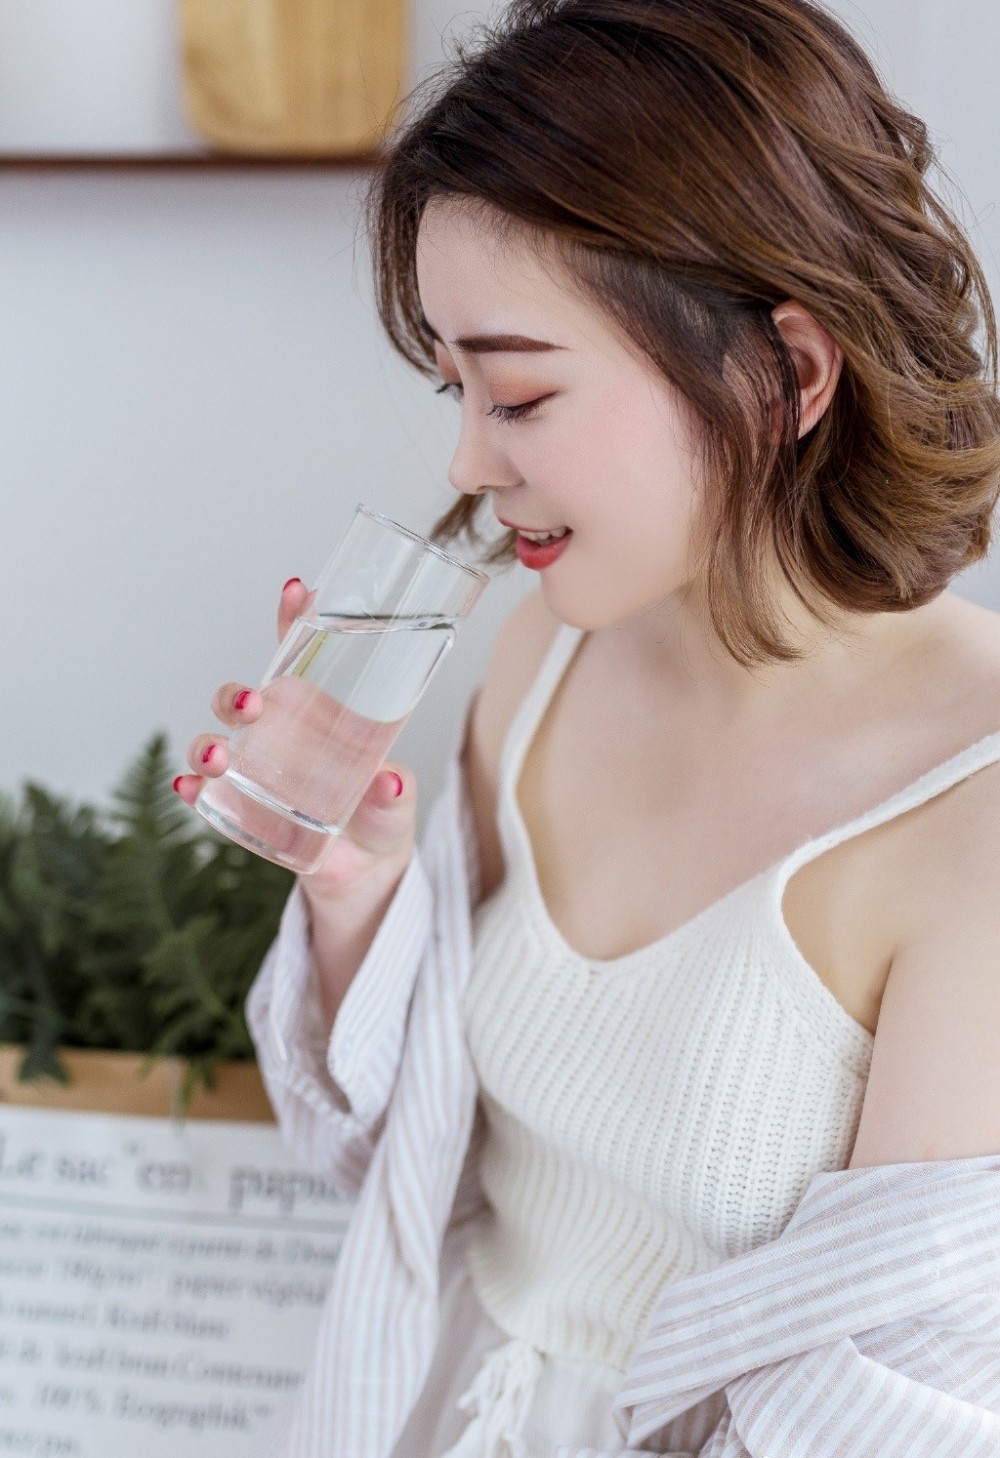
545 536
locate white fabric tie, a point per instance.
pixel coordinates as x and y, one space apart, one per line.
499 1399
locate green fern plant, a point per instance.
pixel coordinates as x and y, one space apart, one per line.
138 929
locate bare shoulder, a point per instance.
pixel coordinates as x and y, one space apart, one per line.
933 1088
978 626
958 701
974 655
959 838
520 645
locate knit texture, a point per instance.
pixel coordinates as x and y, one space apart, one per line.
652 1116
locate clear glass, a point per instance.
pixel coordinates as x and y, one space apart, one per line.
346 678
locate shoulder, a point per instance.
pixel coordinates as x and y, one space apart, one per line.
521 643
970 713
933 1089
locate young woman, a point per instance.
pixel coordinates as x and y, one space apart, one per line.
707 324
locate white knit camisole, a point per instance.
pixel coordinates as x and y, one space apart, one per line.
653 1115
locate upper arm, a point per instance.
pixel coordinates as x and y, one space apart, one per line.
518 650
933 1088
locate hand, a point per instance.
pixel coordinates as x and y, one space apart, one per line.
378 839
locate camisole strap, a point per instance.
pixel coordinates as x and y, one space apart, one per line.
933 782
533 705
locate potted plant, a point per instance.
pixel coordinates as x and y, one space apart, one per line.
128 942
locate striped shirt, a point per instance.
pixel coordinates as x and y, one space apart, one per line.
871 1324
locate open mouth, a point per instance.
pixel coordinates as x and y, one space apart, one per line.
538 555
543 539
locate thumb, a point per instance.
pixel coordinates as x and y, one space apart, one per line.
388 788
383 822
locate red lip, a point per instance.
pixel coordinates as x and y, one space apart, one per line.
539 557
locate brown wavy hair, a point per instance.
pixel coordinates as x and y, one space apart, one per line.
696 164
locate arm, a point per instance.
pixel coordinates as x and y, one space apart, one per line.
330 1089
933 1089
330 1094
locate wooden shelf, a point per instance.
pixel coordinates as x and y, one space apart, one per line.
113 1083
183 162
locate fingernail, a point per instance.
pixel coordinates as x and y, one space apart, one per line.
177 781
206 754
241 698
399 783
289 583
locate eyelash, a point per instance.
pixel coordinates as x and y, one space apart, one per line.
502 412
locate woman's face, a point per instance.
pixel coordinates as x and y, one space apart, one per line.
607 446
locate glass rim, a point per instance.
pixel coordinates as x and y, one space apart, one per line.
453 561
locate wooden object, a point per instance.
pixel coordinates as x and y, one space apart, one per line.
295 77
110 1083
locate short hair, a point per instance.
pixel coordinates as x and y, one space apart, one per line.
696 164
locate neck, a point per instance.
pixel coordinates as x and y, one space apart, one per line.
673 651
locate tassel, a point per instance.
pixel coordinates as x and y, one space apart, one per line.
499 1400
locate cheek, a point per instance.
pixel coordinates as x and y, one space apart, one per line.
584 449
625 480
632 462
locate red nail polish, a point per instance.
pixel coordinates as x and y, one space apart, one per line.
241 698
399 782
206 754
177 781
289 583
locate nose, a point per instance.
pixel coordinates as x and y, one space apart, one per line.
478 463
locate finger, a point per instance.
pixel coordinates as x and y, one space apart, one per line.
188 787
388 789
296 600
383 820
235 704
386 800
209 754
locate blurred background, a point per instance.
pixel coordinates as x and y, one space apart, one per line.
196 391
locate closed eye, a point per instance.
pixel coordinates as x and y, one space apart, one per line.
516 412
502 412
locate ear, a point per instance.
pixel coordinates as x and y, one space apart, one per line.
817 358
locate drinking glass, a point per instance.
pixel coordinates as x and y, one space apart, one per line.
347 676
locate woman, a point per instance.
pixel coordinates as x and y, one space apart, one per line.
734 769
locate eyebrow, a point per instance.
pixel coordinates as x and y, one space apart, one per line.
495 343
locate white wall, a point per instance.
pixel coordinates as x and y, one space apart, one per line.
196 394
91 76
